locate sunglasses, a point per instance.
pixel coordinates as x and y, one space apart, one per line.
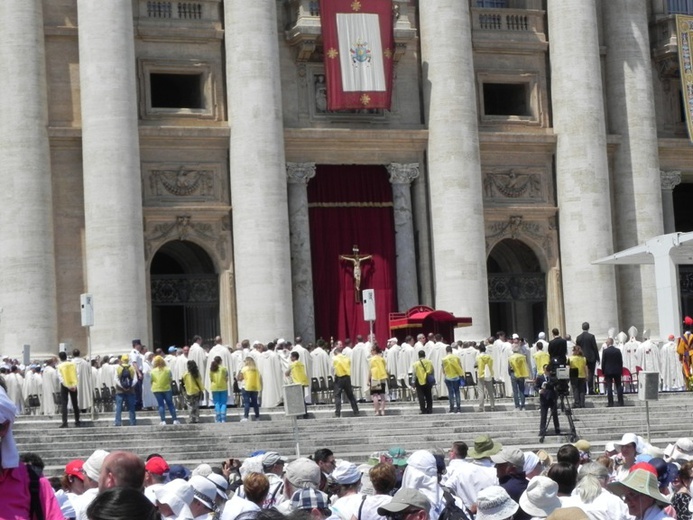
401 515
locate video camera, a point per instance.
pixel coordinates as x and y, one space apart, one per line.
559 376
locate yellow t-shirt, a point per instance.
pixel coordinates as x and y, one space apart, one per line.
579 362
378 368
422 368
482 361
161 379
219 380
541 358
298 373
518 362
68 373
342 365
452 367
193 385
251 379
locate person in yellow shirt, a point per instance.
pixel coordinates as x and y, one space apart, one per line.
342 382
484 368
251 385
422 369
219 384
541 358
67 375
192 381
161 388
377 379
578 376
298 375
519 371
453 371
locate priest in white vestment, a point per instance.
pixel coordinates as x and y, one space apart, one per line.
672 369
32 386
628 352
360 369
85 383
647 356
50 385
148 399
436 357
15 383
272 379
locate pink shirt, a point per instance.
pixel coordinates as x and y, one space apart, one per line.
16 500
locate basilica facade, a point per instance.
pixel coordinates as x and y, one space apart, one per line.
178 161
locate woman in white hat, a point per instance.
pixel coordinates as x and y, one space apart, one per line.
629 446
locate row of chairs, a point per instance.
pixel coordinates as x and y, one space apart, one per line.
629 380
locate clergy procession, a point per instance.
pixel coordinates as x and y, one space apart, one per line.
252 375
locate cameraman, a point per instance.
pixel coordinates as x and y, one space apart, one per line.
546 386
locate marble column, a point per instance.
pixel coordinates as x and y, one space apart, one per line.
637 192
298 176
582 169
114 242
401 177
262 260
454 164
669 180
28 312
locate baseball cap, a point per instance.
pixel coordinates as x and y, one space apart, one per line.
74 468
177 471
156 465
512 456
303 473
346 473
404 499
271 458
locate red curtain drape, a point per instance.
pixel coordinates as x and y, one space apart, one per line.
351 205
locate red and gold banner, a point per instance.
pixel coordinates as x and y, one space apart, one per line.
358 39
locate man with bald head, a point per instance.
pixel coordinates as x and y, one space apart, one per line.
121 469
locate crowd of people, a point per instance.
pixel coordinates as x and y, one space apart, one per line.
428 366
484 480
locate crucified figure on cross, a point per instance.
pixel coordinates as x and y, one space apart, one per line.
356 260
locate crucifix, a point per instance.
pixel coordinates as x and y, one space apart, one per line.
356 260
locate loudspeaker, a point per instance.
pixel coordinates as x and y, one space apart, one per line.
293 400
87 303
26 355
369 305
648 386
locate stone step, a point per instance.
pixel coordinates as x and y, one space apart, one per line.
349 437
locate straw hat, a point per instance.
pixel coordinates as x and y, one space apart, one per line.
643 482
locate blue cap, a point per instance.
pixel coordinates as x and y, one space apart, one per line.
172 349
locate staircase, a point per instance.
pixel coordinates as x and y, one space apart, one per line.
353 438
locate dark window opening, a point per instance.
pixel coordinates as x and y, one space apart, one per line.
505 99
176 90
682 108
493 4
680 6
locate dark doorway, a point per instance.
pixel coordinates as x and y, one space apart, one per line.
185 295
517 290
683 218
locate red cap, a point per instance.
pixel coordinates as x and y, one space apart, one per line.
156 465
688 321
646 466
671 337
74 468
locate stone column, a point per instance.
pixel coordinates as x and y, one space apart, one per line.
582 170
636 183
114 241
669 180
258 170
298 175
454 164
401 177
27 270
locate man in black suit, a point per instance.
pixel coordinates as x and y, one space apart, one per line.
612 366
558 348
588 344
548 401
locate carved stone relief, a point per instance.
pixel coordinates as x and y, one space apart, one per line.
214 234
514 184
543 233
182 184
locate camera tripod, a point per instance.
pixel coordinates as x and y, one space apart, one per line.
568 412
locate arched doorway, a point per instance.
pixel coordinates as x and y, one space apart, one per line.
517 289
185 294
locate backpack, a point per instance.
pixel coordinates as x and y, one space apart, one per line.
125 378
452 511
